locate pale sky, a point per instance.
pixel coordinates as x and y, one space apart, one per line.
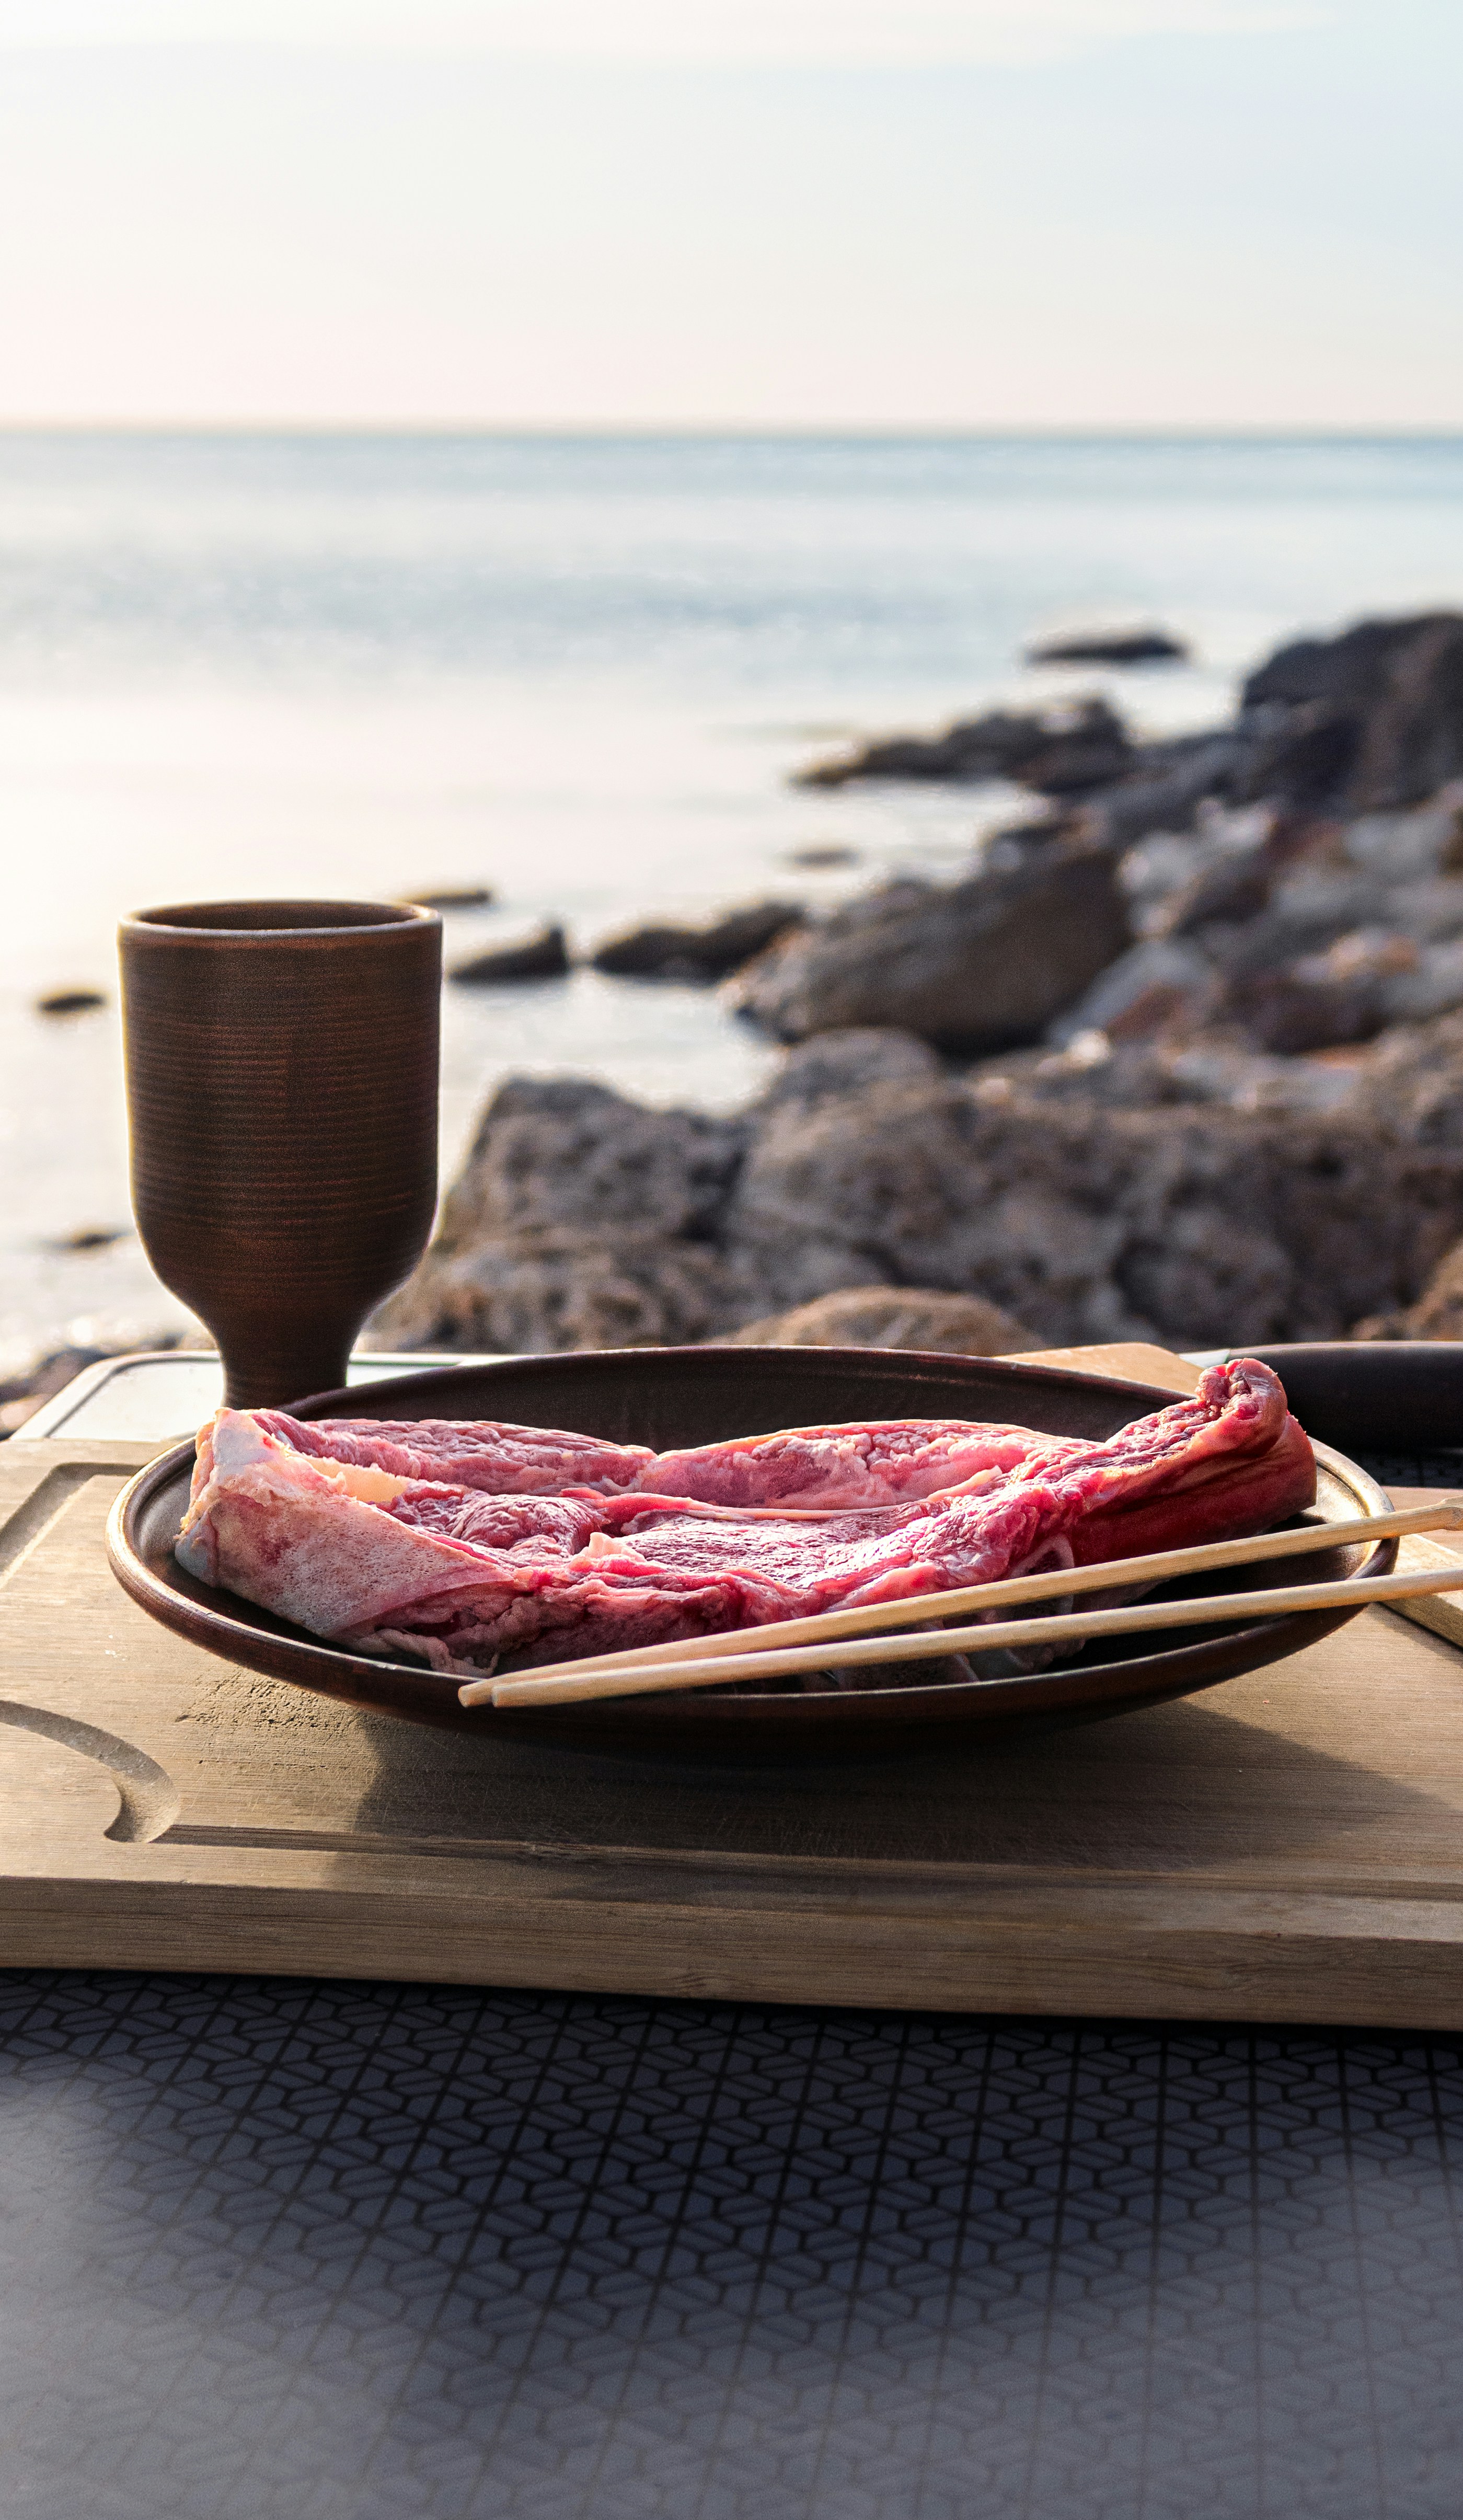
977 214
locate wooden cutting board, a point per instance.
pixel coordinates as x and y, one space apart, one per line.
1285 1847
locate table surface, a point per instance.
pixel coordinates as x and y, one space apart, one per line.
301 2248
289 2250
1284 1847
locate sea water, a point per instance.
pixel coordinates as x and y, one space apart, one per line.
580 670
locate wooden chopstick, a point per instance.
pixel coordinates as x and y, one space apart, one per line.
825 1626
922 1645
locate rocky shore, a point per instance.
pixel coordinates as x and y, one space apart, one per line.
1180 1057
1196 1200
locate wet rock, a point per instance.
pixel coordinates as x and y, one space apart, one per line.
1368 723
1305 755
899 1316
70 1002
1076 755
1062 751
1381 710
1152 646
705 952
651 953
1344 672
544 956
973 966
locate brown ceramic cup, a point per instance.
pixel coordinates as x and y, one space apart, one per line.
282 1097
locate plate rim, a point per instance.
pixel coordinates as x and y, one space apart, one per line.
221 1633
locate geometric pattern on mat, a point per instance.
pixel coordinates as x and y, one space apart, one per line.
282 2250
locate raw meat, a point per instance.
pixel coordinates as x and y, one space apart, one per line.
315 1524
839 1468
502 1460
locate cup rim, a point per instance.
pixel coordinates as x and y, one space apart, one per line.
306 920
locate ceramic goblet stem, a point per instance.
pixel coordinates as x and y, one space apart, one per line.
281 1093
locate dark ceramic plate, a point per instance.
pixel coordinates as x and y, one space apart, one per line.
668 1397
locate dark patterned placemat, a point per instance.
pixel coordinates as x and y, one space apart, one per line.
292 2251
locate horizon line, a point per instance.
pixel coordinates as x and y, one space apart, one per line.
1299 432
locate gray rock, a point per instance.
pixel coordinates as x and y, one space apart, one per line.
70 1002
1344 672
580 1219
1323 901
1409 1084
1410 847
1302 919
1147 1075
555 1151
1304 756
1196 1225
651 952
1064 750
895 1317
1151 646
832 1064
1201 1195
867 1189
1431 985
1155 870
537 1293
1156 986
1437 1312
1368 723
706 953
1233 885
544 956
1432 912
88 1237
1229 869
1380 708
1166 784
974 965
1345 994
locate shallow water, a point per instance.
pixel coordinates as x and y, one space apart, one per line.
578 671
